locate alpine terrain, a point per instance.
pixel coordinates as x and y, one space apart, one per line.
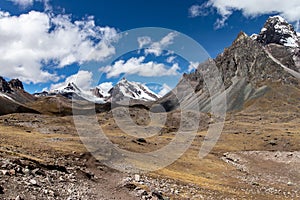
253 86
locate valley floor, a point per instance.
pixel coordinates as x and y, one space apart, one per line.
256 157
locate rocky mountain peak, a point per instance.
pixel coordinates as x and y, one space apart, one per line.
241 36
4 86
132 90
16 84
247 68
277 30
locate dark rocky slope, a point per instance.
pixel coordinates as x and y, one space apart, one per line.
247 69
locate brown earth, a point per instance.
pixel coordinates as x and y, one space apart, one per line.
256 157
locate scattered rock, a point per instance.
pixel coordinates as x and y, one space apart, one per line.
141 140
12 172
1 190
33 182
141 193
5 172
255 184
273 142
19 198
130 186
26 171
137 177
158 195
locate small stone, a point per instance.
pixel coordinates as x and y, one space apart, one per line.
158 195
289 183
12 172
61 179
176 191
255 184
273 142
141 193
130 186
137 177
52 193
172 190
33 182
35 171
26 171
1 190
18 198
5 172
141 140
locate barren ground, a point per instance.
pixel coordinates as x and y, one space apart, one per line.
256 157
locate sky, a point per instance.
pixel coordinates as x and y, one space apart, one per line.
48 43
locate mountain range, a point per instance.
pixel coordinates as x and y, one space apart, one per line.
250 68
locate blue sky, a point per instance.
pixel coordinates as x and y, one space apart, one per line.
46 47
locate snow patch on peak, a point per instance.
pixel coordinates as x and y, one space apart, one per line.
279 18
254 36
72 89
132 90
277 30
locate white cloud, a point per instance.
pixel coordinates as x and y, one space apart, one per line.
105 87
165 89
28 3
23 3
31 41
198 10
143 41
157 48
171 59
83 79
288 9
137 66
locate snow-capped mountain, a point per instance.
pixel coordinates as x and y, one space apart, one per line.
250 68
281 40
72 90
278 31
125 89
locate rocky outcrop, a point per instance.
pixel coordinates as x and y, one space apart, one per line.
97 93
282 41
4 86
278 31
16 84
246 69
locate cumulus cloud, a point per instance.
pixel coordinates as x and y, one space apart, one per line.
105 87
143 41
137 66
198 10
158 47
164 90
28 3
32 41
287 9
83 79
23 3
171 59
